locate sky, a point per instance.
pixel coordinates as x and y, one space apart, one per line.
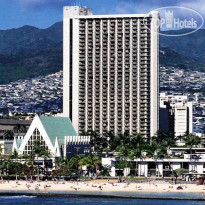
44 13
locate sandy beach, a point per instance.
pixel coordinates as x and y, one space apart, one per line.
100 186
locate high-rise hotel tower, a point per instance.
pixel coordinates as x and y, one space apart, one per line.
111 71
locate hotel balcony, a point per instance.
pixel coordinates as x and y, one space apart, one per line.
144 63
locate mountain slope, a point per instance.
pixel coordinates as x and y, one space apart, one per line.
28 38
191 45
28 52
169 57
28 65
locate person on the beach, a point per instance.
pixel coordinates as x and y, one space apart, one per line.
119 180
36 188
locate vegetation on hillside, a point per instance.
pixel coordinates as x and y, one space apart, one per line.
28 52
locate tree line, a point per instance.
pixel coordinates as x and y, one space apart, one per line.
125 147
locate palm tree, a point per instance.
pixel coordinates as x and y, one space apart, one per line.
110 141
94 135
98 142
155 151
8 135
14 155
46 154
125 145
38 151
92 162
17 129
168 143
63 166
30 162
26 170
159 145
124 152
160 137
74 163
23 129
190 141
129 147
7 163
137 145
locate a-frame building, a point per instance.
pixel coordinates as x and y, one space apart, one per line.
50 131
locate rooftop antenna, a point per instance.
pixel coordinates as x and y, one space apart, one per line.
76 3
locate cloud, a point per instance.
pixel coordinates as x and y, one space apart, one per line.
145 6
120 7
42 4
198 6
140 6
132 7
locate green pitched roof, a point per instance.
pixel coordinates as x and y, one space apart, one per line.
58 127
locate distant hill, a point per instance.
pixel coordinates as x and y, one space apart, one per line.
28 51
28 38
191 45
169 57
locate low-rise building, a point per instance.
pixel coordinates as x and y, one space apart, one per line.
10 124
162 167
55 134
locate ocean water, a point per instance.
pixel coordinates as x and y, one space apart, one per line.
32 200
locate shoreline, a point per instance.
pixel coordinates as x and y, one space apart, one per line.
95 195
159 190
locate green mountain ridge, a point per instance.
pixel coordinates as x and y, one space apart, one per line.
28 51
28 38
169 57
191 45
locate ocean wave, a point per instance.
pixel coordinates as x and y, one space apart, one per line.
11 197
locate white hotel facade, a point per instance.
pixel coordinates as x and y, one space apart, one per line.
111 71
